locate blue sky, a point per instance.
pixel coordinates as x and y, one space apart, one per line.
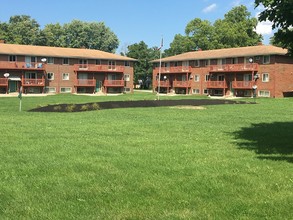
131 20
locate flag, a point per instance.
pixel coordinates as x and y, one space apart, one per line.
20 93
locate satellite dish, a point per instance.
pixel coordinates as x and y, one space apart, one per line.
6 75
254 87
43 60
250 60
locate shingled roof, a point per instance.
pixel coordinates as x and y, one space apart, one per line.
227 53
30 50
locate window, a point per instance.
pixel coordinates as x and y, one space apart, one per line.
126 63
127 77
196 63
111 65
30 75
65 61
207 77
205 91
195 91
220 77
50 60
65 76
50 89
12 58
264 93
234 60
266 59
65 89
196 78
50 76
265 77
207 62
98 62
176 64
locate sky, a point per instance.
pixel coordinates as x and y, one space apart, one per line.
132 20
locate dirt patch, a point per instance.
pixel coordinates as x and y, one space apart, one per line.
185 103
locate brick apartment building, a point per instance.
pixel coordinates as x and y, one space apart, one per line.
266 71
41 69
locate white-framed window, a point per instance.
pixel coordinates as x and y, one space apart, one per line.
65 61
126 63
196 63
111 65
266 59
98 62
65 90
30 75
264 93
126 77
12 58
207 77
50 60
205 91
196 78
195 91
265 77
127 90
50 76
65 76
50 89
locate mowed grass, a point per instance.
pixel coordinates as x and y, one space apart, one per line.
222 162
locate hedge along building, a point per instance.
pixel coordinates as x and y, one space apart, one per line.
42 69
266 71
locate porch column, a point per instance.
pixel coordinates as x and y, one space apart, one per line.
187 82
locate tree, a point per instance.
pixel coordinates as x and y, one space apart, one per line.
22 29
280 13
143 54
237 29
94 35
52 35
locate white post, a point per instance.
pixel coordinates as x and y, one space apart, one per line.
159 82
20 105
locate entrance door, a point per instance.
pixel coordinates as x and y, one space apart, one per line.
12 86
98 86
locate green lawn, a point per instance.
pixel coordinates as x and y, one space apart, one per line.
223 162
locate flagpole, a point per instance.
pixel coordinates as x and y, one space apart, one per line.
160 68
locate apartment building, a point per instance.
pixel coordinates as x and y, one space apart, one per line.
42 69
263 71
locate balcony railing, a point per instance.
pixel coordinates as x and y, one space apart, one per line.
175 69
163 83
242 84
181 83
216 84
33 82
234 67
113 83
86 82
98 68
21 65
3 82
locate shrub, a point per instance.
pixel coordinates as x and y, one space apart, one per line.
85 107
95 106
57 108
70 108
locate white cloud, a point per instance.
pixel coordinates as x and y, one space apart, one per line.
236 3
210 8
264 28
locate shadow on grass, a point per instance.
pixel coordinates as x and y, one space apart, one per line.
272 141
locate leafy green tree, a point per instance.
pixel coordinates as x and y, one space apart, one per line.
52 35
22 29
280 13
143 54
237 29
94 35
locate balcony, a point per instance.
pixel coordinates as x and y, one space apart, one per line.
182 84
98 68
33 82
174 69
163 84
85 83
113 83
242 84
217 84
21 65
244 67
3 82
